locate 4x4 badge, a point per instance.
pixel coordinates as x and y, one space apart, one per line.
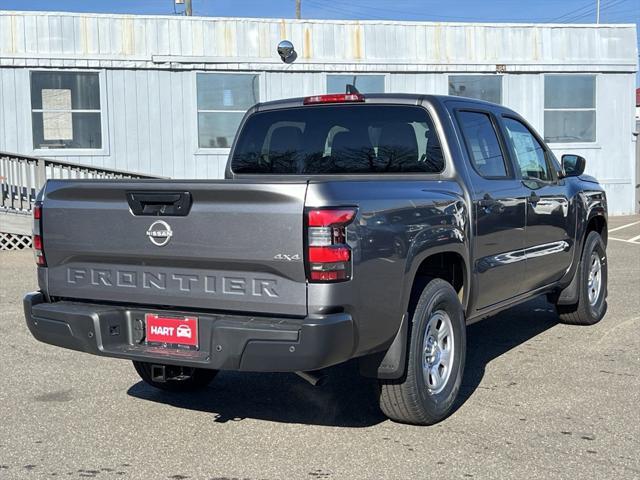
288 258
160 233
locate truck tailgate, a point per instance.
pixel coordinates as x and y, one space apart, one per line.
240 247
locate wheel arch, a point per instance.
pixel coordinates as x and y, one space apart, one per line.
597 221
447 263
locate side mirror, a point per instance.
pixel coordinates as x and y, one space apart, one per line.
572 165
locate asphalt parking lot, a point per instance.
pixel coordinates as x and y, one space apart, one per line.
540 400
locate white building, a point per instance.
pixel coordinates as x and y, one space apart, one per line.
163 95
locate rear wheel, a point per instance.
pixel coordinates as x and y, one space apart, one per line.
592 285
176 379
435 365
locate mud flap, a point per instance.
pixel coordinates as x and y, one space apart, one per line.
570 295
389 364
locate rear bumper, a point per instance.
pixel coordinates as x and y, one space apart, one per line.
227 342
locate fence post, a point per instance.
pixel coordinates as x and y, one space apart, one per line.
41 173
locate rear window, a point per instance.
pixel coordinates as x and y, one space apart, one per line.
338 139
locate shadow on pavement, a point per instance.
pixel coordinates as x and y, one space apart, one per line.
492 337
347 399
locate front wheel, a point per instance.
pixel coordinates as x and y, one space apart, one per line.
177 379
437 348
592 285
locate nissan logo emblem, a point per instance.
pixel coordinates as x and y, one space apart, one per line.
159 233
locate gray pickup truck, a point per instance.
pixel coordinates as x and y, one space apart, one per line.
373 227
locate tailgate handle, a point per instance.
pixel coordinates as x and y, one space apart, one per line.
172 204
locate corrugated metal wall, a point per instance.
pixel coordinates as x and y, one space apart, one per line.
148 77
429 45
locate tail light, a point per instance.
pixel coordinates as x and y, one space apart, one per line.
334 98
38 246
328 255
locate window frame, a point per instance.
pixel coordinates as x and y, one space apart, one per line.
489 75
195 125
582 143
548 154
497 128
386 77
104 118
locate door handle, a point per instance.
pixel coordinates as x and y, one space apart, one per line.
490 204
175 204
534 198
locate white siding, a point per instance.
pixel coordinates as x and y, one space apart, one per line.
149 64
127 41
286 85
427 83
611 159
525 95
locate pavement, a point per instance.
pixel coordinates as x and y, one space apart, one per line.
539 400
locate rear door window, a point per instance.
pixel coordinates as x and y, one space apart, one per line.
339 139
482 144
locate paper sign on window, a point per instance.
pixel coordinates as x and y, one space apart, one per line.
57 125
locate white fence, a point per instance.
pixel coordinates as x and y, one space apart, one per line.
22 177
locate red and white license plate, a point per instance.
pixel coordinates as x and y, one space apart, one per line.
172 330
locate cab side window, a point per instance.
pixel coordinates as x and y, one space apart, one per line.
527 150
482 144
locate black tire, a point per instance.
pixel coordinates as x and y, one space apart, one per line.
586 312
410 399
193 378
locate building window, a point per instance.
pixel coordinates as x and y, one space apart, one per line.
569 108
65 110
482 87
364 83
223 99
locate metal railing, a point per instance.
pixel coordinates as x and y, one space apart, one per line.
22 177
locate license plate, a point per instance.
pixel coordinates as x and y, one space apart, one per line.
172 331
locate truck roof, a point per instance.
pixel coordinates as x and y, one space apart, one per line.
406 98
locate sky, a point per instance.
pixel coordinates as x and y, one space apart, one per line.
557 11
566 11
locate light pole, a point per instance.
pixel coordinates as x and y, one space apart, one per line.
188 8
298 9
597 11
